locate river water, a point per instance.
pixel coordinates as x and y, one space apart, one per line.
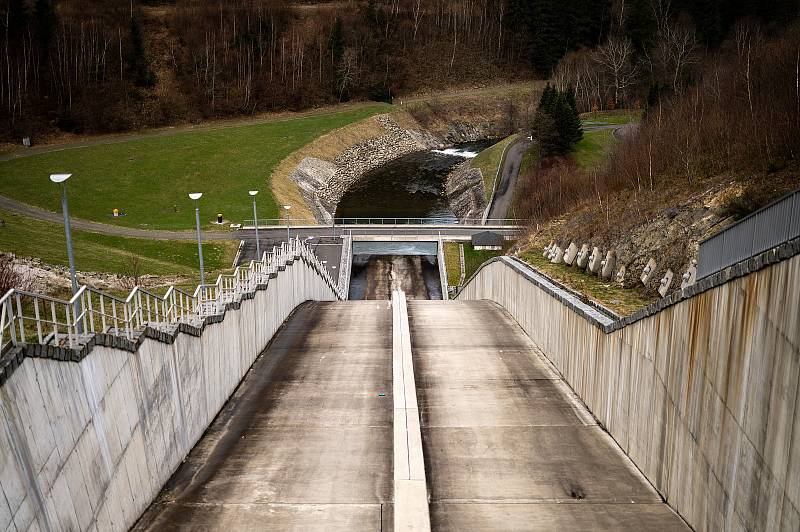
409 187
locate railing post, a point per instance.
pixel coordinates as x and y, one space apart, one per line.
20 318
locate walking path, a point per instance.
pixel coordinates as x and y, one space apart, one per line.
503 197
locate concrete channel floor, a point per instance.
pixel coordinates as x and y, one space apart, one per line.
507 445
305 443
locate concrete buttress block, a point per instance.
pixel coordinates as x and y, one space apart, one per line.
594 260
690 276
648 271
582 259
620 276
558 256
570 254
666 282
609 264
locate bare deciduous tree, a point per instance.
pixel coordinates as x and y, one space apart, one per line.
11 277
676 43
616 57
133 270
347 70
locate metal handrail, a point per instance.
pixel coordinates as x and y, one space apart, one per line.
301 222
26 316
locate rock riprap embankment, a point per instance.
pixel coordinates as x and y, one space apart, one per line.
324 183
465 191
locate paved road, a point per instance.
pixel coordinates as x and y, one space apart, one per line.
38 213
273 235
507 445
504 194
306 441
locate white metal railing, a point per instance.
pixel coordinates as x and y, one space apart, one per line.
273 223
27 317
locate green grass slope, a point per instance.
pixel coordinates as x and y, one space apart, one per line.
149 178
488 161
94 252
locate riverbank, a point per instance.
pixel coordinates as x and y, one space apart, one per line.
314 179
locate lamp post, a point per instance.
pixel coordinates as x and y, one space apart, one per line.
255 222
286 208
196 196
61 179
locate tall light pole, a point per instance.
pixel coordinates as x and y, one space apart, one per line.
196 196
255 222
286 208
61 179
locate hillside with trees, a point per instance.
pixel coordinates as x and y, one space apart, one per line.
719 139
97 66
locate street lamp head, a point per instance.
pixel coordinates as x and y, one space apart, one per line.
195 195
253 192
59 178
287 207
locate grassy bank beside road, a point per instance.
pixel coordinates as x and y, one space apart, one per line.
100 253
488 162
149 178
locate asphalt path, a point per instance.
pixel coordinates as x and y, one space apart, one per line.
503 196
272 235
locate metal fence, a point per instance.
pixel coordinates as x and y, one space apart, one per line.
762 230
442 221
26 317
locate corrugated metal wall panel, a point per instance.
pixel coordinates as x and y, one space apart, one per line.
765 229
794 226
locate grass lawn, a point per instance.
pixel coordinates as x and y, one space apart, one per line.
452 263
149 178
473 259
618 117
623 301
530 159
488 161
593 147
101 253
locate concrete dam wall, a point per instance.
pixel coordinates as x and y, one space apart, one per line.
87 445
700 391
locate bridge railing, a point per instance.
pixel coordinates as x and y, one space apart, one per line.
29 317
303 222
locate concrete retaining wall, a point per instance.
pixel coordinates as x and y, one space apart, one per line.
87 445
701 391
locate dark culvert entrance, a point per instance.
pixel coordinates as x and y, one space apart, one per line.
380 267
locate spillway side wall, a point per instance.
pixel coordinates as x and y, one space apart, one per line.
88 445
701 394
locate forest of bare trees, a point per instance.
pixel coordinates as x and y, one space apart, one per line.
110 65
740 115
91 65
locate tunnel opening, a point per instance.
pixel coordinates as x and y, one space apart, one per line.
378 268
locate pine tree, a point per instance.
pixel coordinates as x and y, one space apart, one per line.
557 125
